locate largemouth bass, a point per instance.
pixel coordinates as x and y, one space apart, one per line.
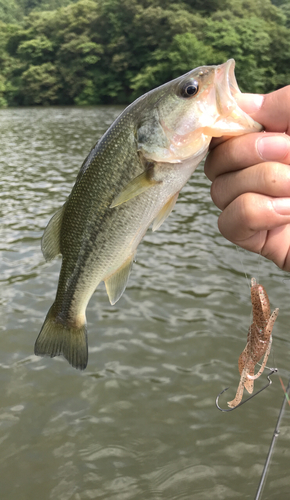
131 178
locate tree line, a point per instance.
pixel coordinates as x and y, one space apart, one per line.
111 51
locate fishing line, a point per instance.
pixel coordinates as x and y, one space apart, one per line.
260 258
284 390
248 280
257 272
275 435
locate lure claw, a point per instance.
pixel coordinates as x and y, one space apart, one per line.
272 370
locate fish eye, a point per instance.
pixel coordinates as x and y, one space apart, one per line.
189 89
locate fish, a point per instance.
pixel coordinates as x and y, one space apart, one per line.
131 178
259 341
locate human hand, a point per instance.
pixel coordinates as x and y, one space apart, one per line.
250 177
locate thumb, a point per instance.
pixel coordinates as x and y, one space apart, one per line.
271 110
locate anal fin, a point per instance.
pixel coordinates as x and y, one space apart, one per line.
50 243
116 283
164 212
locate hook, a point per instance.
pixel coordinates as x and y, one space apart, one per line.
272 370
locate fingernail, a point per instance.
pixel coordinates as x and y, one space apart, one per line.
250 103
273 148
281 206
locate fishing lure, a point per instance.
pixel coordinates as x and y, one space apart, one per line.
259 341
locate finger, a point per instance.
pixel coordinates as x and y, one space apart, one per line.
250 214
218 140
277 246
246 150
271 110
273 244
252 222
271 179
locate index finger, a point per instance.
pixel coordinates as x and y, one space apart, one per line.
246 150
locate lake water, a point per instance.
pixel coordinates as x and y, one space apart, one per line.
140 422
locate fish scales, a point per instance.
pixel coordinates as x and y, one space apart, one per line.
131 178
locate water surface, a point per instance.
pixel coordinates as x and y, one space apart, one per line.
140 422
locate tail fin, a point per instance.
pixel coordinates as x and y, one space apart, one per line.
55 339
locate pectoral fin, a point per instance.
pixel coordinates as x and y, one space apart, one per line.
50 243
135 187
164 212
116 283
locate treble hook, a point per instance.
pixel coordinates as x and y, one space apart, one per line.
272 370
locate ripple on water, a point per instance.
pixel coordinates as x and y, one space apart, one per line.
141 421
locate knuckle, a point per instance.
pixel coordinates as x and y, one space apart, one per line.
272 173
276 178
248 210
215 193
286 92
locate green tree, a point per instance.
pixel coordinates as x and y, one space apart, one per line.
10 11
40 84
105 51
185 52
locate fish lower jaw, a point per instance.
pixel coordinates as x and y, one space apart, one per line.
182 148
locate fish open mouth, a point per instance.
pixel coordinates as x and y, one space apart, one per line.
226 87
232 119
231 78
